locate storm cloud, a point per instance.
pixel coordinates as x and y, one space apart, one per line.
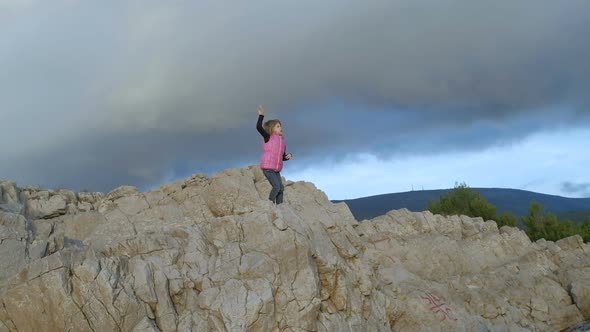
581 189
94 95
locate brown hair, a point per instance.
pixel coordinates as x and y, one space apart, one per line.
269 125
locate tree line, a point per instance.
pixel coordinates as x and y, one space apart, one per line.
538 223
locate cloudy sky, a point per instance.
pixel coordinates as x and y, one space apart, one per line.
375 96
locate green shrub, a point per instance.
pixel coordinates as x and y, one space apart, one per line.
463 200
538 224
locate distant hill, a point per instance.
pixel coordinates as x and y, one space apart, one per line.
512 200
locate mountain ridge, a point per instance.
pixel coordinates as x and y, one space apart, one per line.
512 200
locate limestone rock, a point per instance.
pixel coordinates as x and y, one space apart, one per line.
46 206
213 254
121 192
10 197
580 291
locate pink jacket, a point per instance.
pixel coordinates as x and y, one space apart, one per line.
273 152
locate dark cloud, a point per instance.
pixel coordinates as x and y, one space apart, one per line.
139 158
573 188
96 95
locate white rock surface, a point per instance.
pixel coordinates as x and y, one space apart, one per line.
212 254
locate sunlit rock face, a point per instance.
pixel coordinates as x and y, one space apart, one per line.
213 254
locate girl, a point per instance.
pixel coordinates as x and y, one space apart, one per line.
273 154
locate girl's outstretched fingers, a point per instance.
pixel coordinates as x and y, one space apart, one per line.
260 110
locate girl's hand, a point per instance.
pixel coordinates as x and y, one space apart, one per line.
260 110
289 156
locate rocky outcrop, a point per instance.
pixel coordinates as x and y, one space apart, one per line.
212 254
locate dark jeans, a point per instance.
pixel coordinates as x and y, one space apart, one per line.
276 194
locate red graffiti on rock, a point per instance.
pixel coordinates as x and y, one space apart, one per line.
439 306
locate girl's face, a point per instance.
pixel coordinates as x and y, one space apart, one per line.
278 129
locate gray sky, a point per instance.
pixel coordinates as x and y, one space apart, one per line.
96 95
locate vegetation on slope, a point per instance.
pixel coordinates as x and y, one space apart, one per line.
538 223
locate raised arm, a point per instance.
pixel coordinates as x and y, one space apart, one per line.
259 126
